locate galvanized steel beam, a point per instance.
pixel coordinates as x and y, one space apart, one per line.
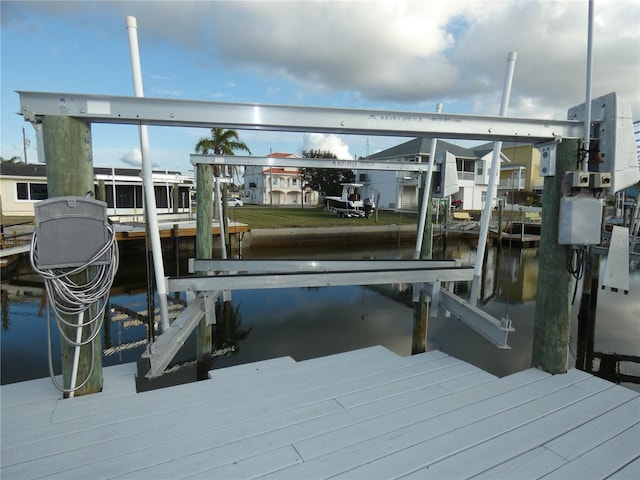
261 266
494 330
318 279
308 163
247 116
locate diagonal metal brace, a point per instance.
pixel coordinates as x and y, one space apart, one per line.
164 349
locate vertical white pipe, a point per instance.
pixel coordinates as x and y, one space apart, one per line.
113 190
587 102
76 356
491 188
223 243
426 192
147 176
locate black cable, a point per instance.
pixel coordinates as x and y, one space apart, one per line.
576 263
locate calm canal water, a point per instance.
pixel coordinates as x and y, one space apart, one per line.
310 322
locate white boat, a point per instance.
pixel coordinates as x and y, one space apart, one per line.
350 204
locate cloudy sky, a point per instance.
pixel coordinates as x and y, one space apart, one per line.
397 55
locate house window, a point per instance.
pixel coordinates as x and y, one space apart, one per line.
31 191
480 169
38 191
274 181
22 190
252 185
483 196
294 182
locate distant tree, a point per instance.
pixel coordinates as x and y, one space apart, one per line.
11 160
221 142
325 180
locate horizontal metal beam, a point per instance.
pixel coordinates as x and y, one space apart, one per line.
318 279
287 266
494 330
308 163
191 113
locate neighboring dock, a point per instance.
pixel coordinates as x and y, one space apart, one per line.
363 414
179 228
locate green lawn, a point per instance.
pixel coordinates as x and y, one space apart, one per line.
283 217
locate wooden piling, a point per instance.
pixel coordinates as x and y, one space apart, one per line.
552 319
421 307
204 250
68 154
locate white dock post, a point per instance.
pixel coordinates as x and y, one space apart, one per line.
147 176
491 188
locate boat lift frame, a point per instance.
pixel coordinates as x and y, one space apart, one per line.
246 116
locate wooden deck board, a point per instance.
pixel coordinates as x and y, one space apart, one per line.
362 414
629 471
143 419
618 451
521 439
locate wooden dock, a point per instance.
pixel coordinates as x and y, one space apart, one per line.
363 414
131 231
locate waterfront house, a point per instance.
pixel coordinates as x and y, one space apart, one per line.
22 185
277 185
399 190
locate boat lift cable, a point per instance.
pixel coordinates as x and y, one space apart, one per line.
69 296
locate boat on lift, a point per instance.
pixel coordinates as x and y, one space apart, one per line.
350 203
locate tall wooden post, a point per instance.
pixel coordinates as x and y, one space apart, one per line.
102 191
552 318
204 250
421 307
67 151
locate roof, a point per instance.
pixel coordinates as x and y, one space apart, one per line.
284 155
282 170
421 146
40 170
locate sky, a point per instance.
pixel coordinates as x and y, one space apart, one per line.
393 55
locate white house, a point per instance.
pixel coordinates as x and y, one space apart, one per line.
22 185
277 185
400 189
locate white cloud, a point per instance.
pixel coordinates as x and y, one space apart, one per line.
132 158
389 54
326 143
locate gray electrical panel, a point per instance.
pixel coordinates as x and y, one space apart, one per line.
579 220
71 231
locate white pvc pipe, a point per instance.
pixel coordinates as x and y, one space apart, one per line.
76 355
223 244
587 102
426 193
491 188
147 176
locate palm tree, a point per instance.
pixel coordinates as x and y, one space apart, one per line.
221 142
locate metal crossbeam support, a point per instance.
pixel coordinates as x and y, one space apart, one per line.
246 116
496 331
164 348
262 266
319 279
308 163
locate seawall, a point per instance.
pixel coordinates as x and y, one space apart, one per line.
348 235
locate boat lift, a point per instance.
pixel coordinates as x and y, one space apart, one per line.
202 290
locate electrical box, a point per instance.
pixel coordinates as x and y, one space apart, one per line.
547 159
614 130
600 180
579 220
445 179
578 179
71 231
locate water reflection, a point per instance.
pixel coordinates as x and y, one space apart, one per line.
310 322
